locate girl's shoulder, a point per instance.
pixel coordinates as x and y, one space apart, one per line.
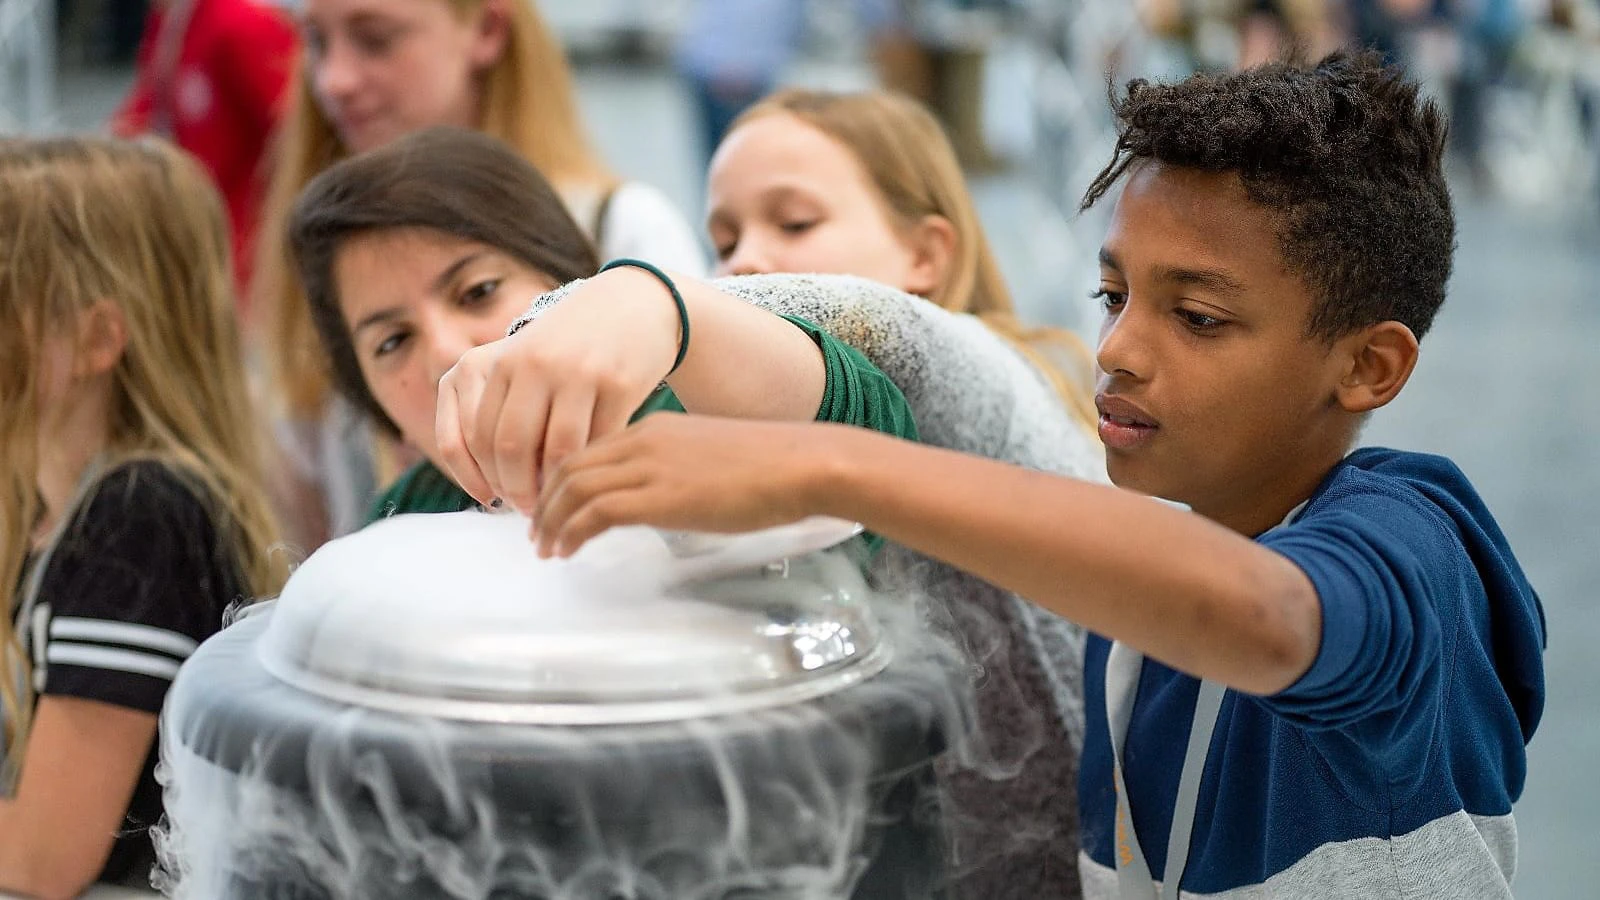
145 494
137 578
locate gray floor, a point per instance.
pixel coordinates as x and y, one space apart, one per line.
1501 388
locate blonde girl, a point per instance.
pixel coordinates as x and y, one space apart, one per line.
132 511
867 184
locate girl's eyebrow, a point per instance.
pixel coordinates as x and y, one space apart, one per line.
376 318
452 270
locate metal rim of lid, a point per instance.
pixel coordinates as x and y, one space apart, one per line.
846 650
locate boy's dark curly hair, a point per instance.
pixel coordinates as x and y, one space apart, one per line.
1344 154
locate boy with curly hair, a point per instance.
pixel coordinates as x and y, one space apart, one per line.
1320 681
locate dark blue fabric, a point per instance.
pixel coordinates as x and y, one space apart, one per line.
1428 685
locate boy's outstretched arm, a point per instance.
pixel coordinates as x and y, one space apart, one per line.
1176 586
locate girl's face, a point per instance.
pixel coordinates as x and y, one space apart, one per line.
787 197
381 69
414 301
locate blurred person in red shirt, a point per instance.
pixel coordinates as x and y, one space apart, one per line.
211 75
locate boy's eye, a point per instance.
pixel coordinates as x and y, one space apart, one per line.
1109 299
479 292
1199 321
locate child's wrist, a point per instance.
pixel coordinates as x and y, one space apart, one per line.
675 309
828 471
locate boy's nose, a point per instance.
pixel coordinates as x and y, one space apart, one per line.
1123 350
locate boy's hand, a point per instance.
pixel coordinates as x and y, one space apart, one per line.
694 473
513 409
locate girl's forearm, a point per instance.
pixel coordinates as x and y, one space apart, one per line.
1176 586
744 362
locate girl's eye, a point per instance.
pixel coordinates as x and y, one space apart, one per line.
390 344
798 227
373 43
1199 322
724 251
1109 299
480 292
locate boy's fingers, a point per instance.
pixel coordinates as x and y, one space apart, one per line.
607 510
574 489
516 439
452 443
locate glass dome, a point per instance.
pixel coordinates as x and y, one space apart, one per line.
455 616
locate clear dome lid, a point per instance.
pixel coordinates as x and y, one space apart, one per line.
455 616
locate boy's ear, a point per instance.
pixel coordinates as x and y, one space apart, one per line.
1381 358
102 338
933 248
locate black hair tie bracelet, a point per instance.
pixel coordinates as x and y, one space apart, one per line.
677 298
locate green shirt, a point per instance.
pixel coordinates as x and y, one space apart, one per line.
855 392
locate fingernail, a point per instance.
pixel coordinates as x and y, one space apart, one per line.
496 503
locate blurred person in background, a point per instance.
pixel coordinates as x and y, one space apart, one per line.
1269 29
211 75
373 71
1238 34
935 51
1462 47
731 53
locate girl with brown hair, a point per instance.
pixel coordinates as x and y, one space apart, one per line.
413 255
375 70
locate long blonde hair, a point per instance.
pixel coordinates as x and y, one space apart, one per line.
90 220
909 159
528 101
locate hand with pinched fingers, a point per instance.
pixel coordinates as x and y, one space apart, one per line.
509 412
694 473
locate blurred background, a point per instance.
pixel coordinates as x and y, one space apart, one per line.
1021 86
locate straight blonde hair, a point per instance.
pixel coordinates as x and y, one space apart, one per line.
528 102
910 161
90 220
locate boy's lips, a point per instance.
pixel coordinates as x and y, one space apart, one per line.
1123 424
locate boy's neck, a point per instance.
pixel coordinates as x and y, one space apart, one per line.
69 443
1267 507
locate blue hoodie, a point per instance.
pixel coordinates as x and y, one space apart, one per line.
1389 769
